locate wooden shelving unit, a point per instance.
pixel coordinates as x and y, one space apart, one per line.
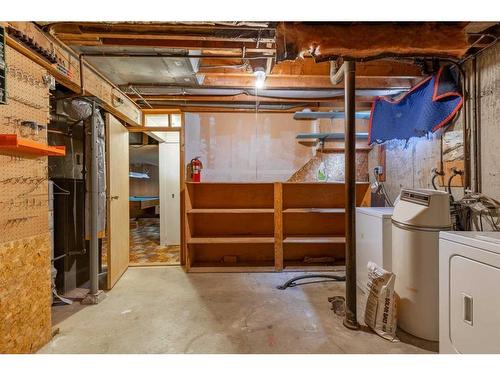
265 227
229 227
314 224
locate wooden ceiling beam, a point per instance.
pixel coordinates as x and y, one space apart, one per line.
189 44
136 35
310 82
157 27
381 68
194 44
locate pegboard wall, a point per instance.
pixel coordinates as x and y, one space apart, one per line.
25 287
23 180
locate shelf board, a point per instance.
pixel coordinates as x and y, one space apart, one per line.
229 240
11 144
335 150
328 136
231 211
292 266
235 267
314 115
314 210
313 239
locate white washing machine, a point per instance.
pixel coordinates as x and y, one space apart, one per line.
469 292
373 241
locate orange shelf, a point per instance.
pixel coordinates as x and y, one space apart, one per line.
11 144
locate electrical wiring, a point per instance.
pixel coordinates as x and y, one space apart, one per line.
475 211
381 189
62 191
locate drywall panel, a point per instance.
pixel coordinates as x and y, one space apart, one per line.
247 147
170 215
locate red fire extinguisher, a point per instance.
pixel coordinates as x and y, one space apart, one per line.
196 166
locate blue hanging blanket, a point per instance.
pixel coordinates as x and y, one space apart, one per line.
427 107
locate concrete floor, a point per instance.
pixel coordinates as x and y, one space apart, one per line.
164 310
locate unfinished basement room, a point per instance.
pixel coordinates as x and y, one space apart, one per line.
249 187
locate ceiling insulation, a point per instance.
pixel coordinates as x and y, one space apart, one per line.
362 40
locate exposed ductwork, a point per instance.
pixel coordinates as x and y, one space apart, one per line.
262 93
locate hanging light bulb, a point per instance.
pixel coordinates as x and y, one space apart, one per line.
260 77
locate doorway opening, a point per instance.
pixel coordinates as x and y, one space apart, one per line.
154 201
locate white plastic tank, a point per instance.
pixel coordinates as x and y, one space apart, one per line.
418 218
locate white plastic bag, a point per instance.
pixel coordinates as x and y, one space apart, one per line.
380 310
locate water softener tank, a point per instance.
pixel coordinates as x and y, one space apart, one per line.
418 218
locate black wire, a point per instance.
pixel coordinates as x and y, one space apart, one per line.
433 181
449 187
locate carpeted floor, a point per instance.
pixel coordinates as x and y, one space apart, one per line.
145 245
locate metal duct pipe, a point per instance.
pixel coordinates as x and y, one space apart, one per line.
315 94
95 295
336 73
348 70
94 198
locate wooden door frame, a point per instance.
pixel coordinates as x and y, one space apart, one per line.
182 177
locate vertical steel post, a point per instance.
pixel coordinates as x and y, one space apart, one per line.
350 320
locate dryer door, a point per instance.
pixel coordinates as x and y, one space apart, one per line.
474 306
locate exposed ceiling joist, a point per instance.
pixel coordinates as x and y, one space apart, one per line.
264 29
165 35
188 44
299 81
136 35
